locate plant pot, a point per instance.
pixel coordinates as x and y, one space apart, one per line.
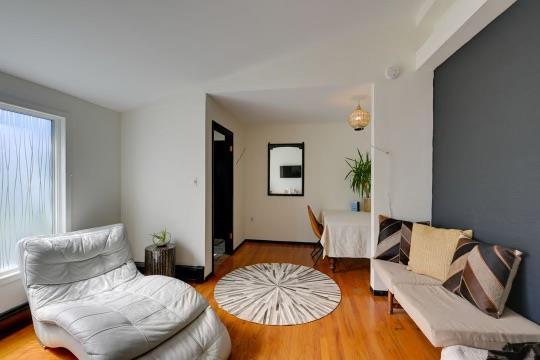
366 204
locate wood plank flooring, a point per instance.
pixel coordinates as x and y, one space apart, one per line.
359 328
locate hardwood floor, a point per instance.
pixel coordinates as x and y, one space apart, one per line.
359 328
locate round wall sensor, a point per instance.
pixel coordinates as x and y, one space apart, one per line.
393 72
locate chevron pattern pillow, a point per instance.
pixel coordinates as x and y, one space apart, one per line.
394 242
488 276
464 246
389 238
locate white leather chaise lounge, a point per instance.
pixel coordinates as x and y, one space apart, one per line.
86 295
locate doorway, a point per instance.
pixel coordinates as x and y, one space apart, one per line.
222 194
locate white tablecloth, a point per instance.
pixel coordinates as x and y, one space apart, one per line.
346 233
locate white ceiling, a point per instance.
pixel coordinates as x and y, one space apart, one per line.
313 104
125 53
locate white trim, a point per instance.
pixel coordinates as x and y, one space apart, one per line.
9 276
60 185
460 23
30 112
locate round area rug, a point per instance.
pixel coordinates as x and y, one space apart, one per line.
277 294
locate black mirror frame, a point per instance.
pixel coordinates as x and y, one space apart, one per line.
272 146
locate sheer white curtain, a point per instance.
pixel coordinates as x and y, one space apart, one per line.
26 181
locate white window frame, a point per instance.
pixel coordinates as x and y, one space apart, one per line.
60 219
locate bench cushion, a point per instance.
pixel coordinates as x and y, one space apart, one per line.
447 319
392 274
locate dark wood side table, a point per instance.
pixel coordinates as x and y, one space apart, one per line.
160 260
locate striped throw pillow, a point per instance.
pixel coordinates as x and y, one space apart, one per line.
488 276
394 242
464 246
389 238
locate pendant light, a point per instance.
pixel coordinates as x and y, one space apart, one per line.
359 118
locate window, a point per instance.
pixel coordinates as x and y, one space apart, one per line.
32 180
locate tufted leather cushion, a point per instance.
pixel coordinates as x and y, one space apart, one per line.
204 338
74 256
41 295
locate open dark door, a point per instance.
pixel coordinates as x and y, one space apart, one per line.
222 192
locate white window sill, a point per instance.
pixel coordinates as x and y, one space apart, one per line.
9 276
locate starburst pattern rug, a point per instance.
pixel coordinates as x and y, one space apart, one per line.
277 294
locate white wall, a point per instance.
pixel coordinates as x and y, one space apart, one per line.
163 175
92 159
12 292
166 174
284 218
403 126
159 140
215 112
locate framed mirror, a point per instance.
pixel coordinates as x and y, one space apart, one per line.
286 169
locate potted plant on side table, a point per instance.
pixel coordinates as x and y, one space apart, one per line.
160 258
359 177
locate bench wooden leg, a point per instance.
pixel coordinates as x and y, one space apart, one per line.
333 264
390 303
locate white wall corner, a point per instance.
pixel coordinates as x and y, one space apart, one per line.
423 11
403 127
461 22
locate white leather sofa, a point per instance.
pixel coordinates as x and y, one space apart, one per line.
447 319
86 295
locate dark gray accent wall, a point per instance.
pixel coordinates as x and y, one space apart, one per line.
486 143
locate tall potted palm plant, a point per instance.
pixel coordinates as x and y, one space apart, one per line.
359 177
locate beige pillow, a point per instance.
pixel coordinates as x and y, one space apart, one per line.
432 250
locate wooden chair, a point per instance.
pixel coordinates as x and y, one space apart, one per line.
317 228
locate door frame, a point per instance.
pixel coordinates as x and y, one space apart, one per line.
229 243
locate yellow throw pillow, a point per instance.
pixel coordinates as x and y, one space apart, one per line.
432 250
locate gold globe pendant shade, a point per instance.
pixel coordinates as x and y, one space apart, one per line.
359 119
